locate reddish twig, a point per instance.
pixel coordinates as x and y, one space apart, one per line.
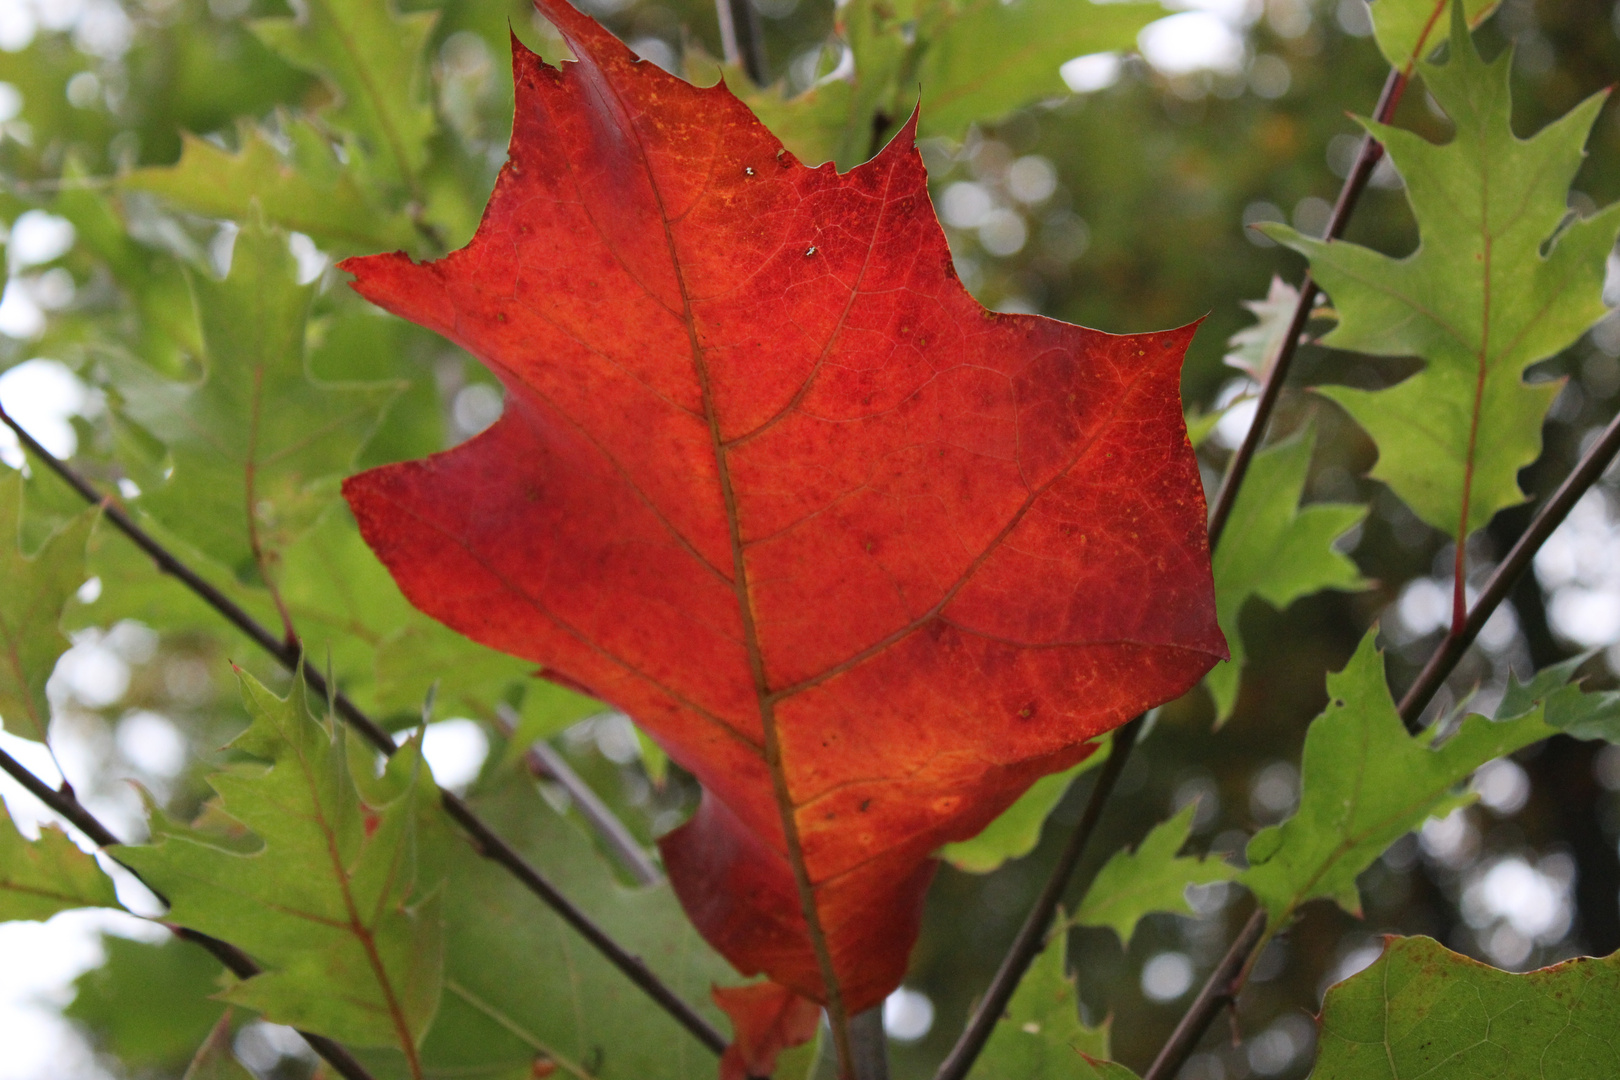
67 806
484 839
1220 990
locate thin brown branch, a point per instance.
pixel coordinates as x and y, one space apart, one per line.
66 805
484 839
1220 990
1349 194
1031 937
1552 513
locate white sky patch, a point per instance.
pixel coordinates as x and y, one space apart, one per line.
1090 73
908 1015
1192 41
1167 976
1579 571
36 980
42 395
454 749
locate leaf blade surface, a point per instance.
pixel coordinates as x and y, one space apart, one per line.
863 556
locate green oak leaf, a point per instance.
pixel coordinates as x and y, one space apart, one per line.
1276 550
1253 350
373 57
960 63
1041 1036
1576 713
1503 277
257 446
1016 832
48 875
1422 1010
994 57
520 983
350 935
1408 31
37 588
348 612
1365 783
1154 877
149 1005
165 327
303 189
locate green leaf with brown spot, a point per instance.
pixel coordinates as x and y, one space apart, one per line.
1422 1012
331 905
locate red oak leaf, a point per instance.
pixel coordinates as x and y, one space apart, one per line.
864 557
766 1019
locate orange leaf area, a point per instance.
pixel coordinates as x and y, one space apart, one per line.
864 557
765 1020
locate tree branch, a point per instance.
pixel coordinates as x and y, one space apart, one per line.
1349 194
484 839
66 805
1220 990
1032 935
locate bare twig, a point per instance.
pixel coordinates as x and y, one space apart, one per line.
67 805
1032 935
484 839
546 764
1547 519
1354 184
1220 990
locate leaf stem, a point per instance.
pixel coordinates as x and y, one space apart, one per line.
67 806
1032 935
484 839
1552 513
